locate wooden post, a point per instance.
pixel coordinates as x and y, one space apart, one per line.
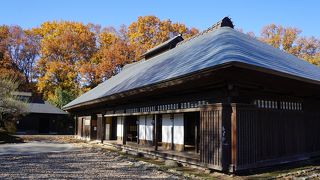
233 138
226 135
172 131
124 130
196 137
75 125
156 133
82 127
100 128
138 128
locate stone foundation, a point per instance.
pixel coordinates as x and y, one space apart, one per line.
145 142
177 147
119 140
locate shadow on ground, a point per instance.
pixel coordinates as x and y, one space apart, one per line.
302 169
7 138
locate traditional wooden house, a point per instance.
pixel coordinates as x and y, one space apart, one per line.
223 98
42 117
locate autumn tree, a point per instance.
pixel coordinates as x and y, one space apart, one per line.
149 31
309 49
64 46
7 67
22 47
18 53
4 33
61 97
288 40
117 47
114 51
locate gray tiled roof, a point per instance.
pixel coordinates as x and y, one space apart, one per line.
44 108
217 47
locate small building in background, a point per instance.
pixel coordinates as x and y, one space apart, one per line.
42 117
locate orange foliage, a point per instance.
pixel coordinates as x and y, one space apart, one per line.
149 31
288 39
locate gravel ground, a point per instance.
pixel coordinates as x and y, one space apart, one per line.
84 163
63 157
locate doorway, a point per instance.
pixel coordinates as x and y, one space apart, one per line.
159 130
93 129
192 131
131 128
113 135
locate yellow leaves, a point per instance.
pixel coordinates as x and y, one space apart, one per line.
271 34
150 31
106 38
64 47
287 39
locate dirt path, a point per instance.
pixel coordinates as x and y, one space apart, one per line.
35 148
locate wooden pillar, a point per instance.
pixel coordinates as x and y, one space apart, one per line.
172 131
156 133
124 130
80 127
100 128
75 125
226 136
233 149
196 137
138 127
93 127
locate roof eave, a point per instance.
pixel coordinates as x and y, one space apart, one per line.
66 113
121 94
225 65
274 72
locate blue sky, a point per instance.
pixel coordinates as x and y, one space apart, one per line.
247 14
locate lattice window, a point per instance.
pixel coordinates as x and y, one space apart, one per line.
273 104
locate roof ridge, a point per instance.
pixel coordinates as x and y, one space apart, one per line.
225 22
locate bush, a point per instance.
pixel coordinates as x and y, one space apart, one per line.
10 127
11 105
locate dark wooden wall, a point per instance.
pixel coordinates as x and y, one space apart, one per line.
210 136
35 123
271 136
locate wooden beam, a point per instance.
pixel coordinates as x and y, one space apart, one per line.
154 112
